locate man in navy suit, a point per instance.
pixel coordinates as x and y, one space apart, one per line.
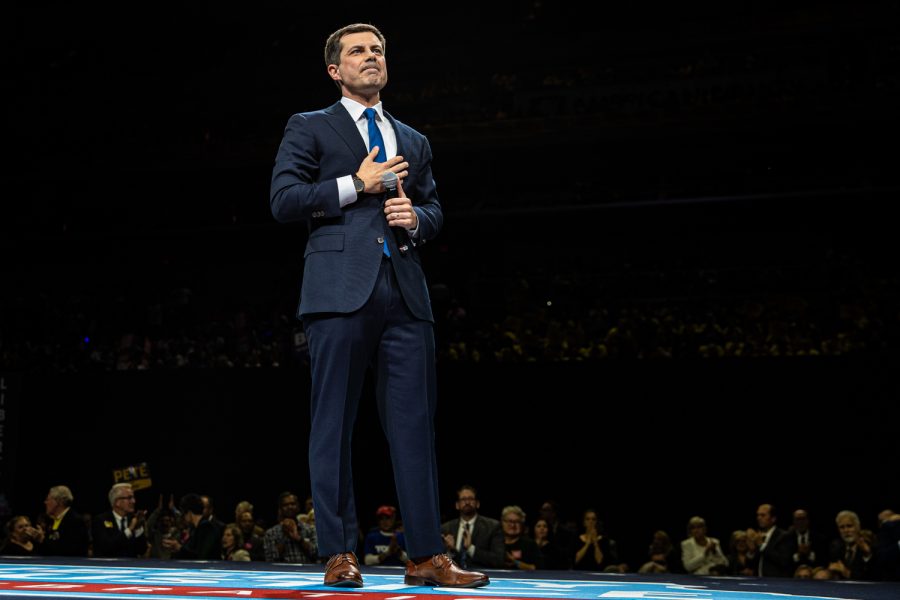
364 301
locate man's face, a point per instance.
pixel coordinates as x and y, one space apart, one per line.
207 508
125 503
764 517
290 507
363 69
848 529
467 504
801 521
246 522
52 505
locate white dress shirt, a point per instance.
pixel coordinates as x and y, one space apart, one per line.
346 191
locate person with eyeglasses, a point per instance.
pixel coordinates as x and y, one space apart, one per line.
120 532
522 552
473 540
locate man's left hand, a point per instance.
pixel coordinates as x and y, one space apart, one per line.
399 211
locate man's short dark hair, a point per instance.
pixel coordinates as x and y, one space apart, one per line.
191 503
333 46
465 487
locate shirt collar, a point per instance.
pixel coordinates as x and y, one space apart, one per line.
356 109
57 520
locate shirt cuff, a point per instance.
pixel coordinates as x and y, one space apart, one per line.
346 190
414 233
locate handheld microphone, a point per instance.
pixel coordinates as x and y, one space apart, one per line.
390 181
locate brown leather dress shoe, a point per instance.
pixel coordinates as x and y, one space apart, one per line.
342 570
441 571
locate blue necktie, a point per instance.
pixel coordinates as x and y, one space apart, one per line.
375 139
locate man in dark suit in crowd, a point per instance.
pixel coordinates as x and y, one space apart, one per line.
209 514
475 540
204 541
63 532
851 554
888 551
772 544
364 301
120 532
808 547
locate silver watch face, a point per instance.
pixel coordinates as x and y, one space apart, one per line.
359 184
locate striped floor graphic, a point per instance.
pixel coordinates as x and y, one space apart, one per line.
110 579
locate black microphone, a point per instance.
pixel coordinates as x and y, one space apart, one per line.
390 181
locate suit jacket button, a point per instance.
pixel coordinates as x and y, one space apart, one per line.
381 240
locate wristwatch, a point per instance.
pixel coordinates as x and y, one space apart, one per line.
359 184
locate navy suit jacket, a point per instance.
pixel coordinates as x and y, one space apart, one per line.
487 537
344 250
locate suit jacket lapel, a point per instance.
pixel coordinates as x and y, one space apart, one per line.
400 134
346 129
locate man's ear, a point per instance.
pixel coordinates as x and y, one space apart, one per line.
334 72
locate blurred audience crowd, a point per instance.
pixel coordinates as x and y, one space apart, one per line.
190 529
497 317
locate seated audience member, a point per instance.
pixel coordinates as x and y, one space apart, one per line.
203 540
594 551
20 536
64 532
121 531
699 552
521 551
385 545
232 544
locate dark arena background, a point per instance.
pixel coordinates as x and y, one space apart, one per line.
666 286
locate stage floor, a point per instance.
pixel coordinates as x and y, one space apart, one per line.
169 580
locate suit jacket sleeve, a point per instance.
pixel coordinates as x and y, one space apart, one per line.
296 192
424 196
493 551
690 558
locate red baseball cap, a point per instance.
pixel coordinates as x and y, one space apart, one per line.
387 511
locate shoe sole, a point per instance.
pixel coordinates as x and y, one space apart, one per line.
422 582
346 583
